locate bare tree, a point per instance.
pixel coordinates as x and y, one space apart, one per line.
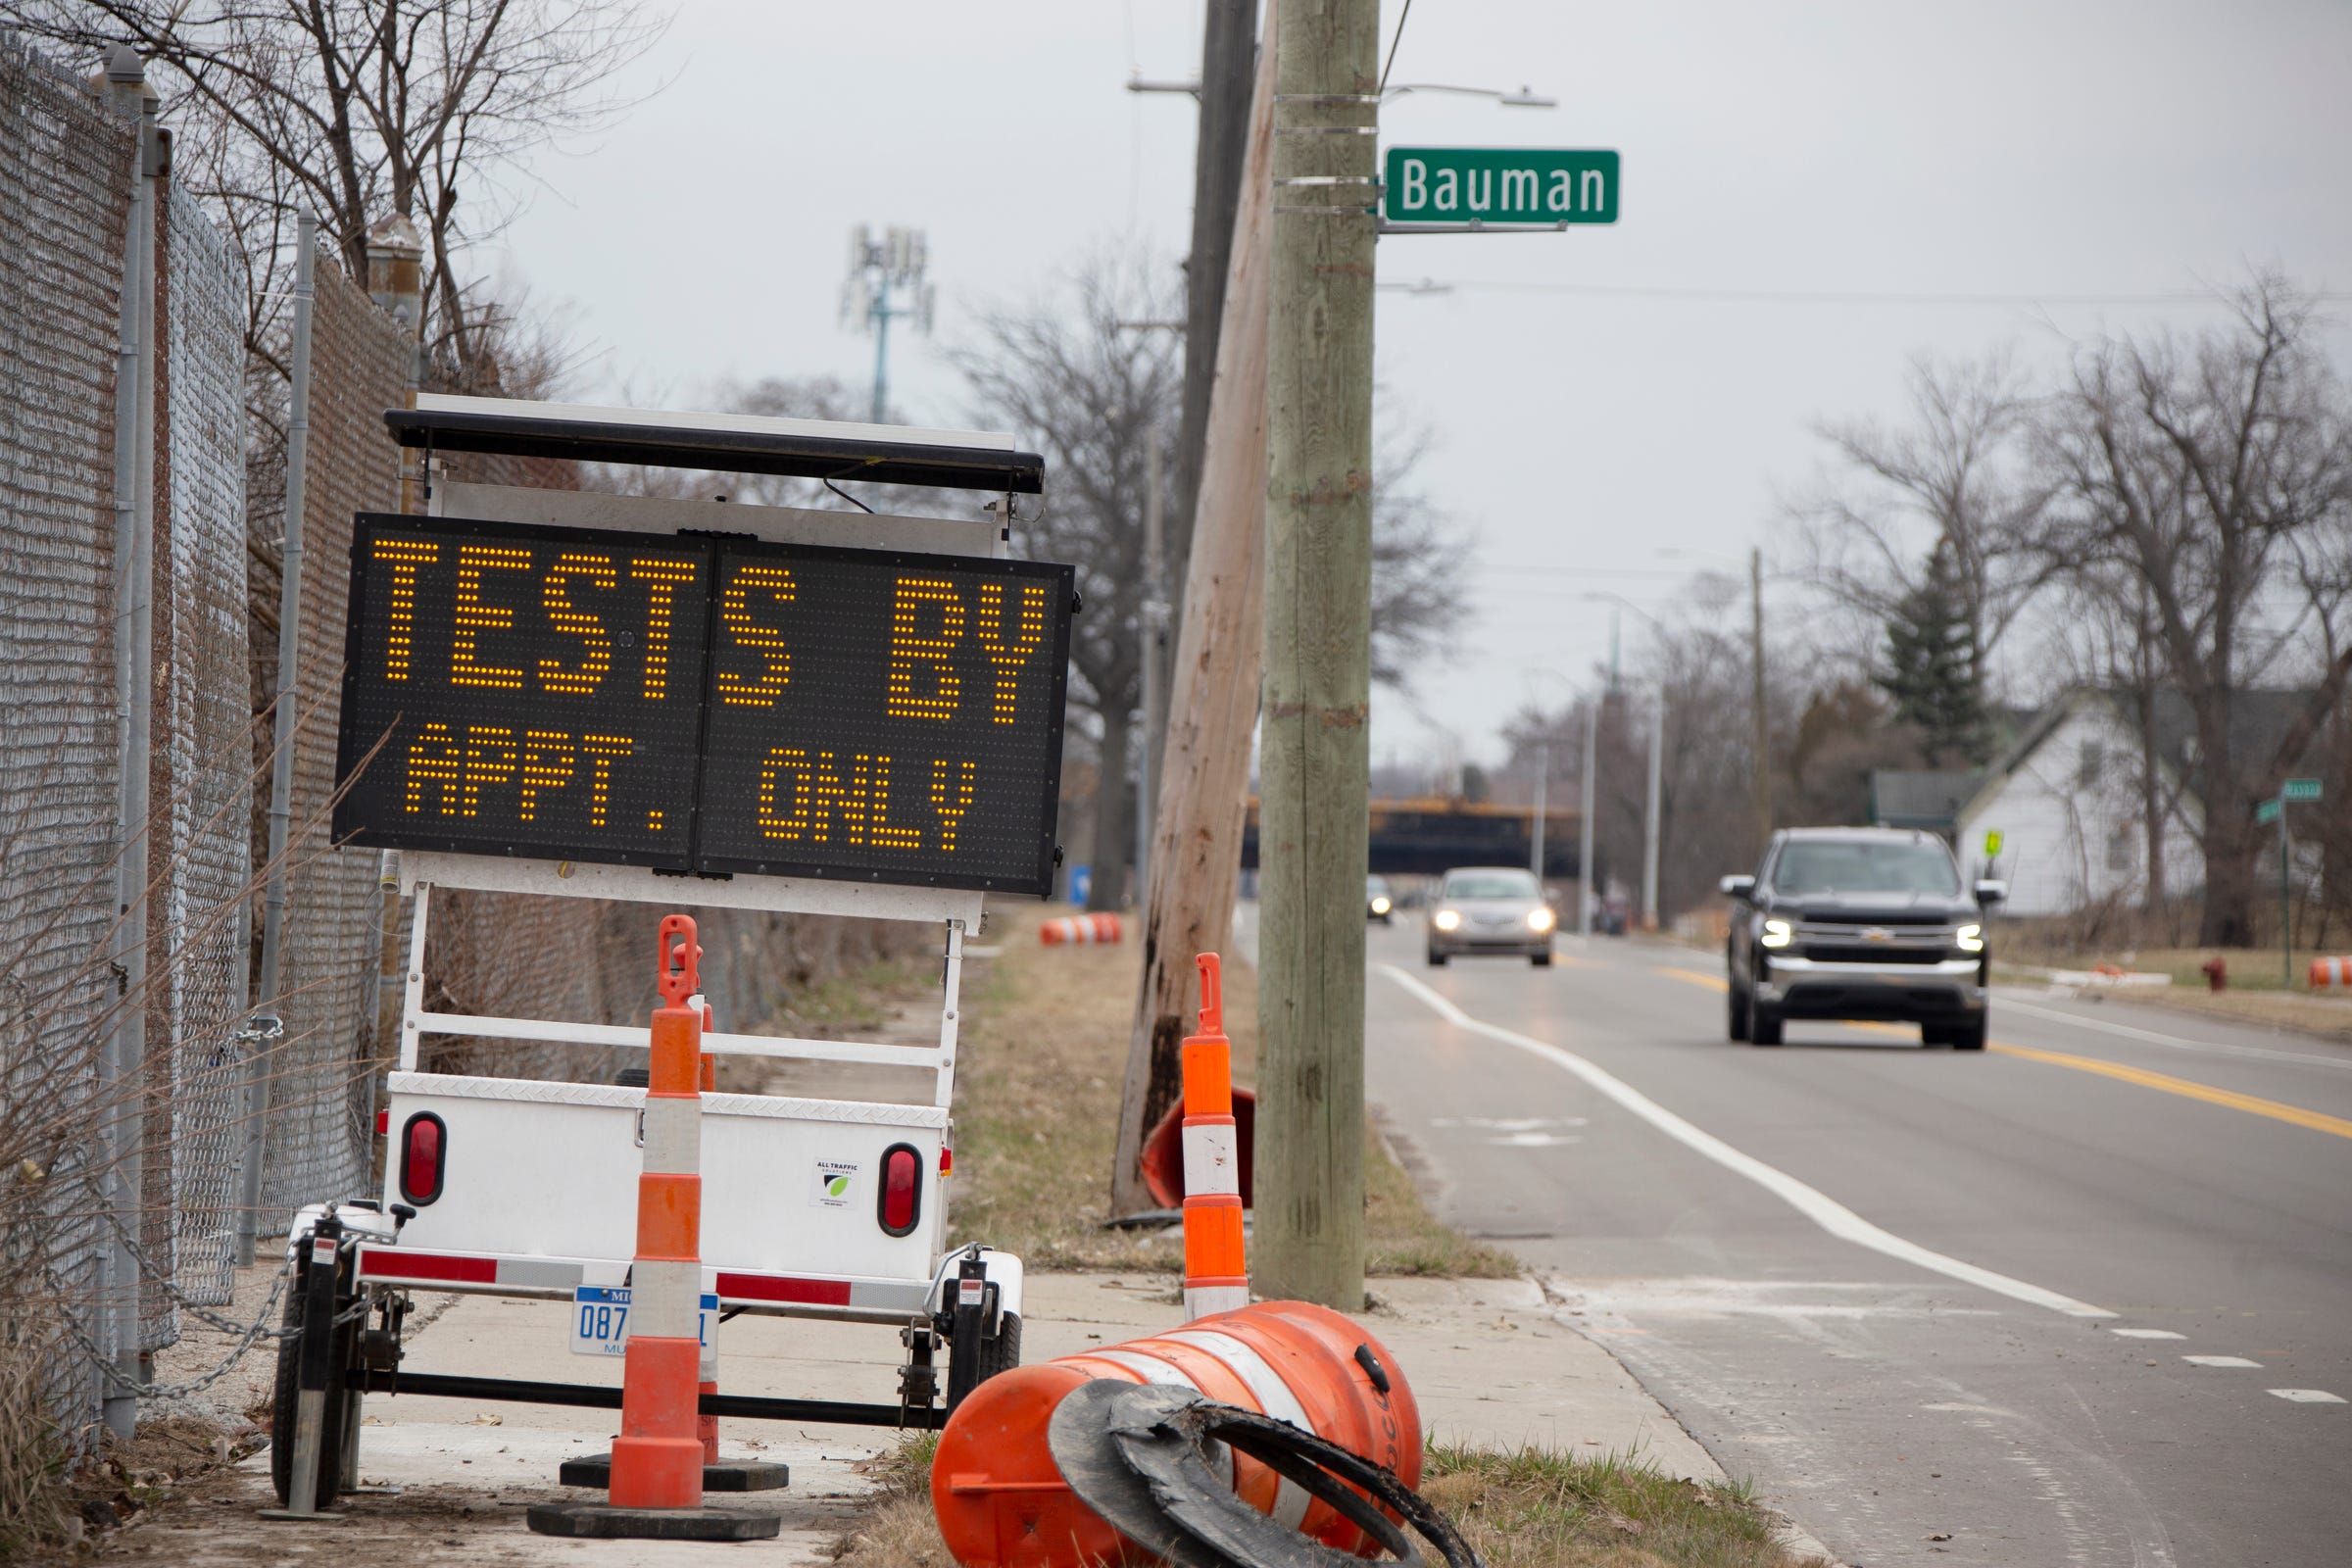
1417 554
2214 478
1096 396
362 108
2107 637
1070 372
1947 502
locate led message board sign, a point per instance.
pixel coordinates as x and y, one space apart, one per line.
701 704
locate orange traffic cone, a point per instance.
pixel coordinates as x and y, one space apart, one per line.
657 1486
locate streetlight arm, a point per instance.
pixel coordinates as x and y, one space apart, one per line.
1524 98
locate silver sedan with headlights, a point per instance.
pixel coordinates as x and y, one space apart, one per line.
1486 909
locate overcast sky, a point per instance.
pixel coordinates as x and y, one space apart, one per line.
2056 152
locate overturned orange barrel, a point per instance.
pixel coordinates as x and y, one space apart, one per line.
2331 974
1078 930
1002 1503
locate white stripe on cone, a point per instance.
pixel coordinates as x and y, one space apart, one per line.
1274 1397
1207 1300
673 1135
1211 1162
666 1300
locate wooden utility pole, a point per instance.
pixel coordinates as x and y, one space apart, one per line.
1212 697
1755 584
1228 62
1314 757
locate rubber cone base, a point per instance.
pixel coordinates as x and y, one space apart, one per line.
600 1521
743 1475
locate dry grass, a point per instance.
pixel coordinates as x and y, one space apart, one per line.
1541 1508
1533 1509
33 1504
899 1529
1037 1104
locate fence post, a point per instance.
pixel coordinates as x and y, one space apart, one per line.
123 1063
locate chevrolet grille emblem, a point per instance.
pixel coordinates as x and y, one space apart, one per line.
1877 933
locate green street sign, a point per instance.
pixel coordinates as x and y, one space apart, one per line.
1543 186
2267 811
2300 789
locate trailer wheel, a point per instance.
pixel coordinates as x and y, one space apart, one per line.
282 1406
992 1354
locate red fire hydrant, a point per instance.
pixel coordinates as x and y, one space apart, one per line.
2216 970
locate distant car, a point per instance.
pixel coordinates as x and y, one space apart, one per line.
1859 924
1481 909
1379 901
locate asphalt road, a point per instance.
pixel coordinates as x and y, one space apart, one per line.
1865 1274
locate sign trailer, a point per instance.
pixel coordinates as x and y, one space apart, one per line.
555 694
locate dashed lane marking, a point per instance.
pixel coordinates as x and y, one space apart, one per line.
2148 1333
2220 1360
1815 1206
2253 1104
2308 1396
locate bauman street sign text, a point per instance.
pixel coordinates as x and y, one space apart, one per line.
1529 186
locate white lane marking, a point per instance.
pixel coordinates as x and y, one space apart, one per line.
2148 1333
1702 1297
1532 1141
2309 1395
1507 1124
2176 1042
2220 1360
1815 1206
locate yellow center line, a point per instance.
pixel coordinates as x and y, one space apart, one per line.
2252 1104
2293 1115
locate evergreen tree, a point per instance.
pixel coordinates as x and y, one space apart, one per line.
1931 670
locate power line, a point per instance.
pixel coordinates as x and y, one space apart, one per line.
1765 296
1394 39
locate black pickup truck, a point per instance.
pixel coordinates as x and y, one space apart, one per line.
1859 924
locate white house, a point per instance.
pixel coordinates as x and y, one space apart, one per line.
2066 801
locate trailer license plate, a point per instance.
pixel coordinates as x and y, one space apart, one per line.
600 1319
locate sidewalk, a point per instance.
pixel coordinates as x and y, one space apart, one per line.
1488 1360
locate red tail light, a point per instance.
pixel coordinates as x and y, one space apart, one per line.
383 1122
901 1200
424 1150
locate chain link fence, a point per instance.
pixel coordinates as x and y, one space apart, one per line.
319 1135
65 181
201 778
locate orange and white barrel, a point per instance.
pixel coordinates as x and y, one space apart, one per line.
1216 1270
2331 974
1002 1503
1079 930
657 1459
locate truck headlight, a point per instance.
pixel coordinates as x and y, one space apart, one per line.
1971 938
1446 920
1380 905
1777 934
1539 919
